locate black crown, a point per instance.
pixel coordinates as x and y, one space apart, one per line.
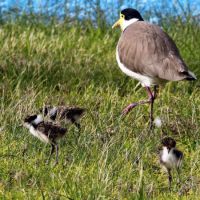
131 13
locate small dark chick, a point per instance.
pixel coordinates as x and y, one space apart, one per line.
45 131
170 157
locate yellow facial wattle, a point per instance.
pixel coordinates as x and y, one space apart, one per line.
119 22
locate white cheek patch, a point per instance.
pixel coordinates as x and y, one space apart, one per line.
126 23
38 119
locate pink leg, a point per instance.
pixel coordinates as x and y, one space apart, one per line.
150 100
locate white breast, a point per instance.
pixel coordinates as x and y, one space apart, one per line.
168 158
144 80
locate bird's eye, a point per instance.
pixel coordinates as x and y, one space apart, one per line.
122 16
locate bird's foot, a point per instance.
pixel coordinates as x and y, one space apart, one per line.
128 108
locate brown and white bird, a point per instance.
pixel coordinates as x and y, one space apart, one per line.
170 157
148 54
45 131
71 114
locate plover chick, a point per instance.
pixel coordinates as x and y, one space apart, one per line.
170 157
45 131
72 114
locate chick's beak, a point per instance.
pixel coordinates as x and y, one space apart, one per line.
117 23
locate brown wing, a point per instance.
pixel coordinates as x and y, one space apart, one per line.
146 49
51 130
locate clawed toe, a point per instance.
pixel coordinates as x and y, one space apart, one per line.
128 109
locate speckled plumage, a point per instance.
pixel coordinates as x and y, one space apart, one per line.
69 113
47 132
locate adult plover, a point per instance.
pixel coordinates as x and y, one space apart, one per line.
146 53
170 157
72 114
45 131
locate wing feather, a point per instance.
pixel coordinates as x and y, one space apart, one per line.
50 130
146 49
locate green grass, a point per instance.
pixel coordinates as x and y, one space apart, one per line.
114 158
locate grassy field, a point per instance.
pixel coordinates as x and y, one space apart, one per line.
114 157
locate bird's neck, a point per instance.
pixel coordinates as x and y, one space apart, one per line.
167 150
127 23
38 120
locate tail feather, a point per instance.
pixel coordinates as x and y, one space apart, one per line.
190 76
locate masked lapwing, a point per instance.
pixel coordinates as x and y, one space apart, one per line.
170 157
146 53
72 114
47 132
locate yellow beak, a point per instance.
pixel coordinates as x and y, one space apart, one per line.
117 23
